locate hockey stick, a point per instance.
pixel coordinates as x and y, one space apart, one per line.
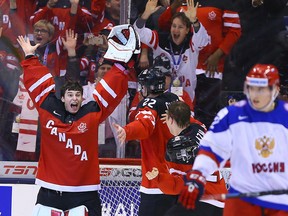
239 195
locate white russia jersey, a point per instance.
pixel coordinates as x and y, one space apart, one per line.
257 145
187 68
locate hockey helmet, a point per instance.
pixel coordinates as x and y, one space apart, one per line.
181 150
263 75
123 42
163 63
153 79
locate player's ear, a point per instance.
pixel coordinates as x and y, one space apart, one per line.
62 99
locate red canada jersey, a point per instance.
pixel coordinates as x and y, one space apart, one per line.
7 18
62 19
172 182
69 143
51 59
21 18
97 10
153 135
104 24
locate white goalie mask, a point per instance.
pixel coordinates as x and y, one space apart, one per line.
123 42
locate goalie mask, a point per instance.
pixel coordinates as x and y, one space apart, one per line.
151 80
123 42
181 150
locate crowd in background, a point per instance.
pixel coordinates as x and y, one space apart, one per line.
242 33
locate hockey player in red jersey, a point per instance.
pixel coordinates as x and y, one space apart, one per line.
153 135
163 63
180 154
68 169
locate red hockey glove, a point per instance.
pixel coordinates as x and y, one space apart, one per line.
193 189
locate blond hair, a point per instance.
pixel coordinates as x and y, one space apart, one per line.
47 24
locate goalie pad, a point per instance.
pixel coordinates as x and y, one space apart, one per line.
77 211
41 210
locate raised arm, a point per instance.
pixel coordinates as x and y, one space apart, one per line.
191 13
151 7
37 79
26 46
74 6
73 64
13 4
70 42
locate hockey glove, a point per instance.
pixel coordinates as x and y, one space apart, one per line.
193 189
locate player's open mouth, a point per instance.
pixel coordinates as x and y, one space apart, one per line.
74 106
255 102
176 36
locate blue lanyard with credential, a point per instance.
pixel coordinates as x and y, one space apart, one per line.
176 65
45 56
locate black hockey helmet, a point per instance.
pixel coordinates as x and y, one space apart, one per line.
153 79
182 150
163 63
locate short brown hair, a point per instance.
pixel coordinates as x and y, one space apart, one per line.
180 112
183 17
71 85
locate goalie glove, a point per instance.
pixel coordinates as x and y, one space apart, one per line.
193 189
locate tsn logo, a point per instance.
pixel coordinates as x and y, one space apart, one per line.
19 170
